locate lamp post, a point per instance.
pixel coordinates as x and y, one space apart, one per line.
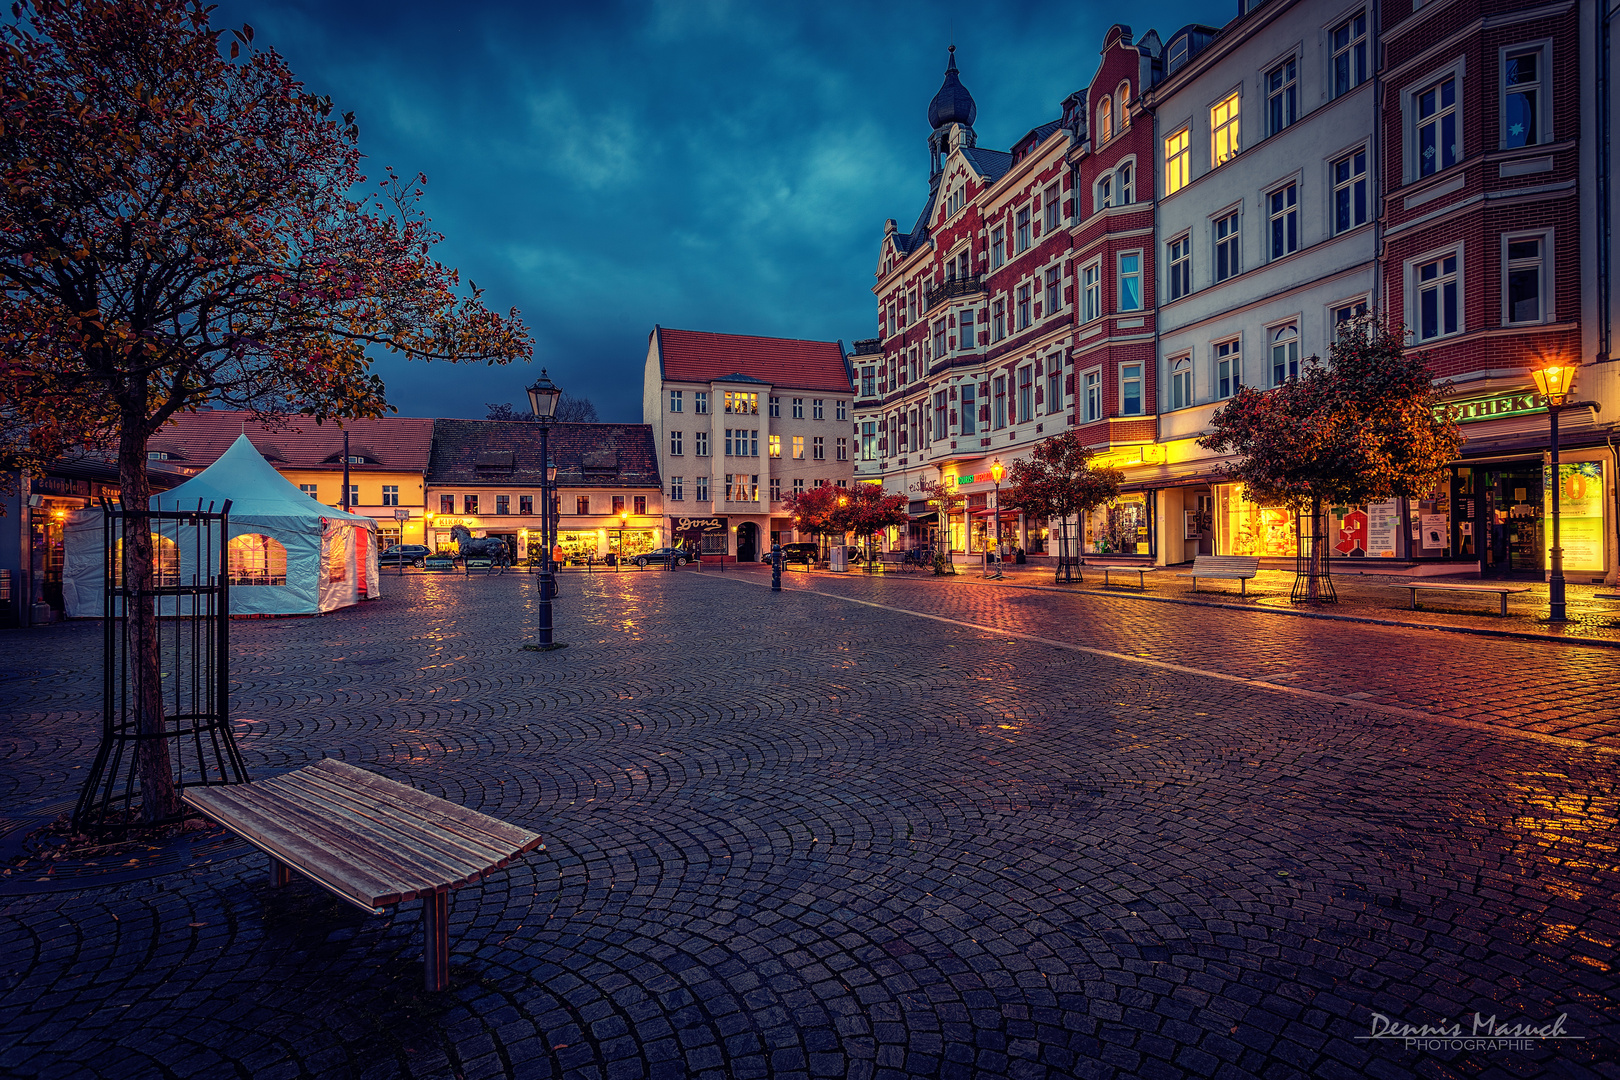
1554 383
543 397
996 473
624 519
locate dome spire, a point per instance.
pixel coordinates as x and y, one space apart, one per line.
953 104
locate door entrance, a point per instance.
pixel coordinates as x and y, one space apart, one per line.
1513 517
747 542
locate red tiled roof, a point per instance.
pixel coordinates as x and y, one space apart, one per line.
196 440
699 356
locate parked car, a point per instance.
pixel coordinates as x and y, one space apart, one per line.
806 554
414 554
663 555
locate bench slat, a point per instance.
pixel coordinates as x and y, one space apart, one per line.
357 885
1448 587
488 831
386 846
425 831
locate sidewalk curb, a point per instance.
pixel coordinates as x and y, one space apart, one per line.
1476 631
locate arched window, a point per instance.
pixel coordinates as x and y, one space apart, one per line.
1123 96
1105 119
256 559
1181 383
1127 190
1284 353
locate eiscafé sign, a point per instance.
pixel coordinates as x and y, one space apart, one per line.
1472 411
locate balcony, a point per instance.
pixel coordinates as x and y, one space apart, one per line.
958 287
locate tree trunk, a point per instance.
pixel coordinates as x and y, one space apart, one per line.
1314 565
158 799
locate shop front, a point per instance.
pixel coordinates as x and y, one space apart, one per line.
705 535
1123 526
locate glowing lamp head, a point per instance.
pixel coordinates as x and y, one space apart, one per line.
624 518
997 470
1553 382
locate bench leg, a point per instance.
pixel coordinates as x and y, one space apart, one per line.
1243 585
1504 605
436 935
280 873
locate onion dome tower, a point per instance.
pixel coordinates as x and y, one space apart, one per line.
951 111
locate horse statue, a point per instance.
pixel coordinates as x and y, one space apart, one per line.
488 547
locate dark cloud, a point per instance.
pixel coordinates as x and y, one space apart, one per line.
704 164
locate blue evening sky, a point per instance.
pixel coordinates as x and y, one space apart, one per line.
706 164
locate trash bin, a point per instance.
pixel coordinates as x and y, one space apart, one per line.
839 563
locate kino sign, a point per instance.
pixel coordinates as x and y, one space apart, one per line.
1492 408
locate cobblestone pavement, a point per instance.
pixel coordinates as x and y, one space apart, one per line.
793 836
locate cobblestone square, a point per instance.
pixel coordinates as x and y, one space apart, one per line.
864 827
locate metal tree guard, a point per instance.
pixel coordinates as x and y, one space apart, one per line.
1313 577
192 616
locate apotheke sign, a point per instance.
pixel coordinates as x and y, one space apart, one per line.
1495 407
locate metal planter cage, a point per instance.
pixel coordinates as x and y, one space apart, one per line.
188 595
1313 578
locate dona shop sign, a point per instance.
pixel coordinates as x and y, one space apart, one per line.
698 525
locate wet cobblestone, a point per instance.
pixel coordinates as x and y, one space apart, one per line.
792 835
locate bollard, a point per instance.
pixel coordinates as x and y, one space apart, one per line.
776 568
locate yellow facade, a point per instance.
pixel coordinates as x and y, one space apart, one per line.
372 482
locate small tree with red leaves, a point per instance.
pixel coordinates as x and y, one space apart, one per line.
1057 481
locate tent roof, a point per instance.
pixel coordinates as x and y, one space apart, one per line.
256 490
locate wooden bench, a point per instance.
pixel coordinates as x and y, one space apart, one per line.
1139 571
1503 590
1238 567
368 840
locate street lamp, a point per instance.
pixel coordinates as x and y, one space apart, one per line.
1554 382
624 519
543 397
996 473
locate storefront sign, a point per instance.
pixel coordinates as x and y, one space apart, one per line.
1352 533
60 485
1434 531
1580 505
1382 522
442 522
1495 407
708 525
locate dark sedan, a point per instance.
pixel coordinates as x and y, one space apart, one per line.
403 553
800 553
661 556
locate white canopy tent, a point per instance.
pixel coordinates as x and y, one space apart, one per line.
288 554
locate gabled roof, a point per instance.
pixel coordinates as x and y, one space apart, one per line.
701 356
507 452
196 440
990 164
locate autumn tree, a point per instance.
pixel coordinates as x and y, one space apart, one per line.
946 500
1367 425
866 509
812 510
183 225
1056 482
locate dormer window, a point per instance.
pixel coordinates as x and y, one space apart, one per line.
1105 119
354 459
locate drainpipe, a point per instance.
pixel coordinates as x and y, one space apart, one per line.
1601 159
1378 159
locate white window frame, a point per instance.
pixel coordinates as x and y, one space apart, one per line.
1363 179
1412 168
675 402
1122 103
1414 301
1543 85
1235 238
1105 120
1288 216
998 247
1093 405
1051 208
675 444
1229 131
1349 50
1026 371
1102 196
1121 275
967 330
1125 182
1234 375
1180 390
677 488
1544 260
1051 289
1280 335
1091 306
1024 232
1026 305
1140 378
1177 165
1288 88
1179 269
1336 323
1053 391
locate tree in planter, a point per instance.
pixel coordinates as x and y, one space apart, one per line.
812 511
867 509
1057 481
946 500
1363 427
183 228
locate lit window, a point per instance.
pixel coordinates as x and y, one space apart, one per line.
256 559
1122 98
1438 301
798 448
1177 161
1284 354
776 446
1225 128
1105 119
1350 191
1349 40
